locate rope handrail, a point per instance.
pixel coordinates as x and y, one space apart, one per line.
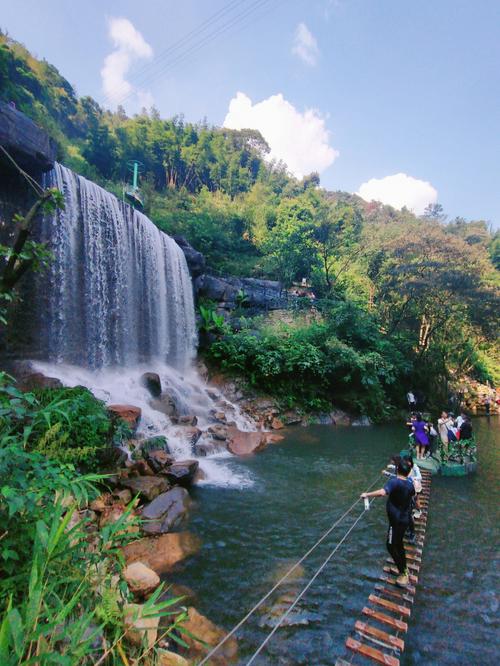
299 596
284 577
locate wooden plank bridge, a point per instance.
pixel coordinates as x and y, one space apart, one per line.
377 637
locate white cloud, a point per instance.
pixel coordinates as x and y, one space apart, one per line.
301 140
305 45
130 46
400 190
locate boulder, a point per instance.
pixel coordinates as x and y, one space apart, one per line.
141 580
291 418
194 259
148 487
159 460
245 443
322 418
188 420
165 404
204 448
166 511
192 434
168 658
37 380
276 424
128 413
162 553
139 468
199 476
182 472
340 418
362 421
139 630
218 432
205 630
152 381
218 416
273 438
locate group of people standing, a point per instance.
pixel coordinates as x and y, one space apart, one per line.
449 429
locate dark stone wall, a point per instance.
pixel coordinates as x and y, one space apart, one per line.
35 153
29 145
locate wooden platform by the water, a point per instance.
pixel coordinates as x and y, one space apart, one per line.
378 635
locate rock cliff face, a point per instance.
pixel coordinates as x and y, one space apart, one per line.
30 145
230 291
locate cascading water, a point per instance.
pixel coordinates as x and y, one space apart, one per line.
117 301
120 291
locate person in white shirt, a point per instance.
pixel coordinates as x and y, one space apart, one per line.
412 402
460 419
445 423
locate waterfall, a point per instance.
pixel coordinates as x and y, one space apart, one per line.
119 290
115 302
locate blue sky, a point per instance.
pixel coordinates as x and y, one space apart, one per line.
406 93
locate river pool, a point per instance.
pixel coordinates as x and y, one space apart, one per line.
295 490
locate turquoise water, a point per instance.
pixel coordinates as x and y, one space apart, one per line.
299 487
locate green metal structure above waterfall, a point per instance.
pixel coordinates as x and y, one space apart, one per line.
133 193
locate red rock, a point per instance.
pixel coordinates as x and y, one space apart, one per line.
162 553
276 424
204 629
245 443
273 438
140 630
37 380
141 579
127 413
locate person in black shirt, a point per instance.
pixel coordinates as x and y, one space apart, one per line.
465 429
399 491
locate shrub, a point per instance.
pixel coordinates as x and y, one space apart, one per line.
71 426
68 424
342 358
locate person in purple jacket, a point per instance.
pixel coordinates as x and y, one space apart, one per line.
420 430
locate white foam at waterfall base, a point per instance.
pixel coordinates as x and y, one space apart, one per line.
123 386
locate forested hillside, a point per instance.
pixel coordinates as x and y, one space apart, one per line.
400 301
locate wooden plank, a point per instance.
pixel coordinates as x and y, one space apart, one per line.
394 592
413 558
385 619
393 570
394 641
411 565
371 652
413 549
390 605
389 580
